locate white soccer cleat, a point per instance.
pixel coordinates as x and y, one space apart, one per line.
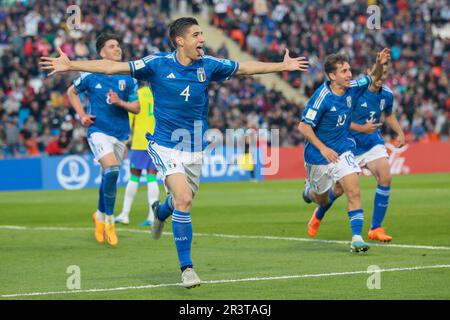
122 219
158 225
190 279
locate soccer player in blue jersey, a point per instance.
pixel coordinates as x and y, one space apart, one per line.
371 153
326 126
110 98
179 81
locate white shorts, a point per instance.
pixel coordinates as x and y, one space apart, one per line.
322 177
377 152
169 161
101 144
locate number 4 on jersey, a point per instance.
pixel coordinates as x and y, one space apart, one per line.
185 93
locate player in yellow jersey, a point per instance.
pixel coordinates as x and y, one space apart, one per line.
140 124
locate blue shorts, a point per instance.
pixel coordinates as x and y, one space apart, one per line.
140 160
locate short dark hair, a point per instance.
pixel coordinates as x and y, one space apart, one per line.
332 60
178 28
102 38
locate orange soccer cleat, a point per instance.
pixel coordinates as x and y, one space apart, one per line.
99 229
110 234
378 234
313 224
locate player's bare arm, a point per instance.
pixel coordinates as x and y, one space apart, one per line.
288 64
86 119
369 127
64 64
133 107
395 125
383 57
329 154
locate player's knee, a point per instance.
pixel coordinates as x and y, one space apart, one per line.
322 200
353 194
183 201
385 180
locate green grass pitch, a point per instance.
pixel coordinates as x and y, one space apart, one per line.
250 242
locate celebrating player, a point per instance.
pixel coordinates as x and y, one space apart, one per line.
110 98
139 159
371 153
179 82
326 125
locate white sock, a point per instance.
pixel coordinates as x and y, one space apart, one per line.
100 216
109 219
153 195
357 238
130 193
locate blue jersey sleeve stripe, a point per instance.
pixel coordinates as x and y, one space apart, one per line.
131 65
310 122
236 68
319 101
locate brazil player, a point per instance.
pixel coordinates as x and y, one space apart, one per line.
110 98
140 124
326 126
179 81
370 153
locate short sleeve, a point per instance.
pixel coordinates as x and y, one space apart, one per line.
81 84
359 86
389 97
143 68
223 69
315 108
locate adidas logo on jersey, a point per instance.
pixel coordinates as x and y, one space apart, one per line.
98 86
364 105
333 108
171 76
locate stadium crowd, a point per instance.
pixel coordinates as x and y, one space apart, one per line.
35 113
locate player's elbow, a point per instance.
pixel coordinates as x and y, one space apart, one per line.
302 127
71 91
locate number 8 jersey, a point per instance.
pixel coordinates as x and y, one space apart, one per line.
330 116
181 96
110 119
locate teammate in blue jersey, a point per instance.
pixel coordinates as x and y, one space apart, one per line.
326 126
179 81
371 153
110 98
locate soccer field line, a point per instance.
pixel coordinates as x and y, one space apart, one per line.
234 236
287 277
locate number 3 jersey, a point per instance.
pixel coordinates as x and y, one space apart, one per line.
330 116
369 107
181 96
109 118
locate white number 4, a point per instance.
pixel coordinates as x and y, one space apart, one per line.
185 93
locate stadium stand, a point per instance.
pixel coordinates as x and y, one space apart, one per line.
36 118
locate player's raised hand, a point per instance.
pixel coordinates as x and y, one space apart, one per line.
113 97
87 120
329 154
295 64
384 56
59 64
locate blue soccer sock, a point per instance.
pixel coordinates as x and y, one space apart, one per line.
323 209
110 177
101 198
166 209
380 205
356 221
182 233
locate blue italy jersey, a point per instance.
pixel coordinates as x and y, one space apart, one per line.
330 116
181 96
110 119
369 107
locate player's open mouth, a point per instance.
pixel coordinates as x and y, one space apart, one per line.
200 51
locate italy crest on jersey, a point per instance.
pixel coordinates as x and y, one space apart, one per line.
201 75
122 85
349 101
